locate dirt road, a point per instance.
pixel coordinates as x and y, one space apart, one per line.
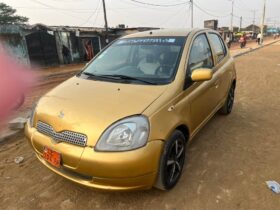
227 163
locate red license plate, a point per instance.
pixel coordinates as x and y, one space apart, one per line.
53 157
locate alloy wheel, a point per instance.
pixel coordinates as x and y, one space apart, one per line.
175 161
230 100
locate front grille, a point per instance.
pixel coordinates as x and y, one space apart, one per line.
63 136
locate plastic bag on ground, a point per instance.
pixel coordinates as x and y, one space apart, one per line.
274 186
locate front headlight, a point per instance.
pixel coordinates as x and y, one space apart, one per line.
127 134
31 118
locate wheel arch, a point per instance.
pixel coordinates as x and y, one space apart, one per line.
185 130
234 82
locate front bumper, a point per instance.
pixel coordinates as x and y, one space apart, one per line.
128 170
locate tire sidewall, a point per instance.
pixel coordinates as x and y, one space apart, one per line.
231 91
166 152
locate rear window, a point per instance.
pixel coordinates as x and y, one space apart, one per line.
218 45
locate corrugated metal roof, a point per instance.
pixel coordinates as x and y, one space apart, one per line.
16 29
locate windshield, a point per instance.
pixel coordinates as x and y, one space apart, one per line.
153 60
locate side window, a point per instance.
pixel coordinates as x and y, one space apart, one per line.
200 55
218 45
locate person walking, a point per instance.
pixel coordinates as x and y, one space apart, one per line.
228 41
66 54
259 37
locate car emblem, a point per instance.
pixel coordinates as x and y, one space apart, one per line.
61 114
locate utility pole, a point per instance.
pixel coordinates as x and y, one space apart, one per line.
254 11
231 22
191 5
263 18
106 24
240 23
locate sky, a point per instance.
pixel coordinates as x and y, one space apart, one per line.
133 14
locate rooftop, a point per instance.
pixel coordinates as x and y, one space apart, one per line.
163 32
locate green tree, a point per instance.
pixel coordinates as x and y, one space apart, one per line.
8 16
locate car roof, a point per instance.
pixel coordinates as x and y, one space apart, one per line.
163 32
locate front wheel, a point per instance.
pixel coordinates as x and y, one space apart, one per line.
227 107
172 161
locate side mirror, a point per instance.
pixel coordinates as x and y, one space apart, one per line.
199 75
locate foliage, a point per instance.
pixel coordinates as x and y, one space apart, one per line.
8 16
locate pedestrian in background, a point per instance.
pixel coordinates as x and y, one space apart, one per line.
243 41
66 54
228 41
259 38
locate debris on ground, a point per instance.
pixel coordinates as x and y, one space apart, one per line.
19 160
4 135
274 186
17 123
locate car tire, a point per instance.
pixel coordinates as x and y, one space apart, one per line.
172 161
227 107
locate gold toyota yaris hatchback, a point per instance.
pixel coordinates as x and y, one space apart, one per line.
124 121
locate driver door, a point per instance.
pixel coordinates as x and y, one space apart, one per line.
202 95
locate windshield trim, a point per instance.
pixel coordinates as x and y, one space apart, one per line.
172 78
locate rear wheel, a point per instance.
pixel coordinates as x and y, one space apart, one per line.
227 108
172 161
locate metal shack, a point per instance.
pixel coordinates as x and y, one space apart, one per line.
212 24
44 46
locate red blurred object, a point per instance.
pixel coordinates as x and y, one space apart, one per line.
15 81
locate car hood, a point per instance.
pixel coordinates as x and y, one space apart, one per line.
89 107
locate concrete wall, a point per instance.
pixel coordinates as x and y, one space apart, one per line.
15 45
13 41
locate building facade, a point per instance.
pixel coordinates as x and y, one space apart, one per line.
41 45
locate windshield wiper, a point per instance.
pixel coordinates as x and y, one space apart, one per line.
88 74
119 76
97 75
